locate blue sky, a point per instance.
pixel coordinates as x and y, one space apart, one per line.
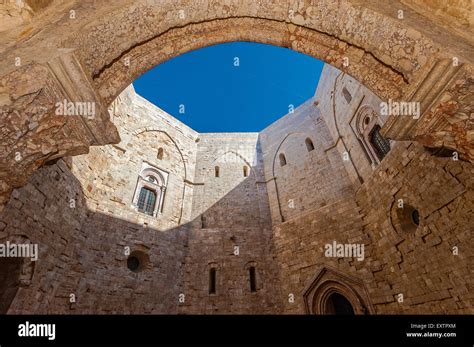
220 97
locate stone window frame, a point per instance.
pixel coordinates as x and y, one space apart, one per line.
159 187
213 265
249 265
366 120
143 259
401 218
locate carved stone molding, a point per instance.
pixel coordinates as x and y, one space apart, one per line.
446 97
328 281
39 121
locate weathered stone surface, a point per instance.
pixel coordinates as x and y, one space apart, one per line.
80 210
115 42
280 218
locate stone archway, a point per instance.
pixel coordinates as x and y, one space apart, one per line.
334 292
95 49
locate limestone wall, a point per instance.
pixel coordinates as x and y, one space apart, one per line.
275 218
310 179
232 229
350 110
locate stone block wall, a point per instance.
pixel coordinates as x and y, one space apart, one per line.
276 219
231 231
310 179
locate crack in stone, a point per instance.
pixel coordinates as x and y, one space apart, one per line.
99 73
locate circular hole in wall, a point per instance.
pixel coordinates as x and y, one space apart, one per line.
137 261
405 219
133 263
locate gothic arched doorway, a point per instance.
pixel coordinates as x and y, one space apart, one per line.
334 292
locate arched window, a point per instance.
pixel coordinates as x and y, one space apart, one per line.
246 171
309 144
380 144
160 153
216 171
282 159
146 201
150 190
253 279
212 280
137 261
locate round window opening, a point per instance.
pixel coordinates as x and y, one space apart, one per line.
137 261
405 218
133 263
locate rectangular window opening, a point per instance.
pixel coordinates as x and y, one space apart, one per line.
253 279
212 281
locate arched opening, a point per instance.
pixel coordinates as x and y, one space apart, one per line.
107 75
405 218
282 159
246 171
309 144
212 280
253 279
216 171
10 270
137 261
338 304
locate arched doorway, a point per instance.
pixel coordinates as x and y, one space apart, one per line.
10 270
338 304
332 292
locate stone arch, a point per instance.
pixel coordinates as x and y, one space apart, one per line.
285 23
94 57
298 38
329 281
